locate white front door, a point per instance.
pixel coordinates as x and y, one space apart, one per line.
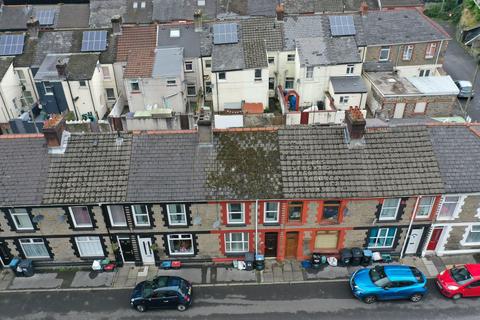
399 109
414 241
146 250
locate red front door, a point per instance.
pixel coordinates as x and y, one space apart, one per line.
432 245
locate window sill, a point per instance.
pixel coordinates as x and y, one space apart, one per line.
429 58
236 224
83 228
258 79
445 219
135 92
143 227
92 258
24 230
387 220
177 226
271 224
118 227
470 244
294 223
179 255
328 223
235 254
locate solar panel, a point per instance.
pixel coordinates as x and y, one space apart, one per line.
342 26
11 44
225 33
46 17
94 41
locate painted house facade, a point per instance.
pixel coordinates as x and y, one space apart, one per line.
10 93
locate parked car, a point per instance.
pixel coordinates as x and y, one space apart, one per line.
162 292
388 283
460 281
465 87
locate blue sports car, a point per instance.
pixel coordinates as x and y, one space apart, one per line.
388 283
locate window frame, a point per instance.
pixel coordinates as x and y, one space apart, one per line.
454 212
428 50
106 77
271 81
271 60
190 63
111 220
135 214
229 221
343 99
89 241
295 204
309 72
257 76
184 213
194 88
222 76
82 83
407 54
469 230
12 215
380 218
32 242
110 98
423 206
190 237
326 232
50 90
244 241
291 57
74 220
377 237
171 82
382 49
131 83
288 80
331 203
277 213
208 63
208 87
350 69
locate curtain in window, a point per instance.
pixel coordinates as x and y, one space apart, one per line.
89 246
118 215
34 249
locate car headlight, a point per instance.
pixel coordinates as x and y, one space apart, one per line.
452 287
131 300
441 273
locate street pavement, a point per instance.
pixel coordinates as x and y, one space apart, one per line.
461 66
325 300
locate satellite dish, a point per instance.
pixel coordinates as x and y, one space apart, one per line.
38 218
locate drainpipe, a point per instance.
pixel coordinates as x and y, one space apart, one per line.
407 237
438 52
216 89
256 227
91 97
73 100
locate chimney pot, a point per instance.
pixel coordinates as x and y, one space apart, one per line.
364 8
61 67
33 27
205 131
53 130
197 19
280 10
116 24
355 123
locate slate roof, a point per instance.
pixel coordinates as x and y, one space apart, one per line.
23 169
5 63
102 11
167 167
14 17
94 169
138 15
321 51
173 10
458 152
348 84
311 6
189 40
246 166
81 66
228 57
267 30
400 26
73 16
316 162
229 8
296 27
354 5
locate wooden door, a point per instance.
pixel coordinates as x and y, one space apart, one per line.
271 244
291 245
432 245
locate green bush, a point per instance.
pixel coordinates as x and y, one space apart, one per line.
451 11
472 6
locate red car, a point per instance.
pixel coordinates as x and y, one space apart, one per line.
460 281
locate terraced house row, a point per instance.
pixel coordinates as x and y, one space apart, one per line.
212 195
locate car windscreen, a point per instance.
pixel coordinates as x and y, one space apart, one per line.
417 274
147 289
460 275
378 276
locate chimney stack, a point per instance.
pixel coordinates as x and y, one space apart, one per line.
116 24
355 123
61 67
53 129
197 19
205 135
33 27
364 8
280 10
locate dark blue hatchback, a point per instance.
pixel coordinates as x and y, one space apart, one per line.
388 283
163 292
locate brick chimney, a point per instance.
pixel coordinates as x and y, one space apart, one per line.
197 20
53 130
205 135
116 24
364 8
33 27
280 10
61 67
355 123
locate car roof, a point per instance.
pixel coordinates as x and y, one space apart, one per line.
399 273
474 269
464 83
168 282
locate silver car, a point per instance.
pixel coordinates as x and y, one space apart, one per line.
465 88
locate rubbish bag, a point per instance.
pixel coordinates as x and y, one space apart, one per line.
332 261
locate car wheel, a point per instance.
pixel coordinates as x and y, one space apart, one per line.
416 297
140 308
181 307
457 296
370 299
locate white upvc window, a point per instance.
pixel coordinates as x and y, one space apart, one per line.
134 86
89 246
21 219
80 217
407 52
291 57
389 209
106 73
381 237
472 236
271 212
177 215
430 51
425 206
117 216
309 72
236 242
34 248
350 68
343 99
188 66
384 54
235 213
180 244
140 215
448 208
